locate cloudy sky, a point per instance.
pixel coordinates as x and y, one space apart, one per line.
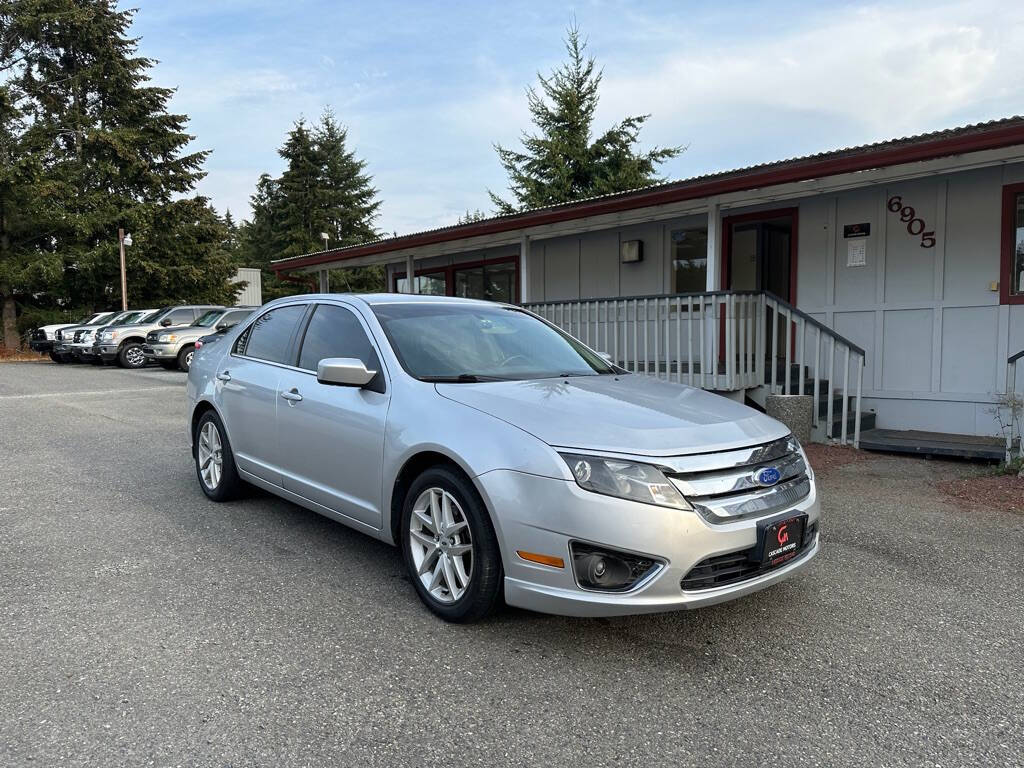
426 88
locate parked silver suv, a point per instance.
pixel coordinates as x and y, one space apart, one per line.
83 346
173 347
123 344
63 338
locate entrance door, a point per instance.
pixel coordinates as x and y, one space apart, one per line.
760 255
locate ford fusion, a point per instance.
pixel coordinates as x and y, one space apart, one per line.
507 460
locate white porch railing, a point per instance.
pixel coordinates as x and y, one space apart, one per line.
725 341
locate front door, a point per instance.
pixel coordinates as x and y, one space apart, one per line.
331 437
761 253
761 256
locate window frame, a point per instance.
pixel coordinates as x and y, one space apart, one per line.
1010 194
292 348
380 382
449 271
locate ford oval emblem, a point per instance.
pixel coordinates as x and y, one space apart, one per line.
768 476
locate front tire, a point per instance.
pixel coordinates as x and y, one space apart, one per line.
450 548
131 356
55 357
185 358
215 463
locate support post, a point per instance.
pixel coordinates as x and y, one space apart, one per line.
714 282
124 275
410 274
524 269
325 281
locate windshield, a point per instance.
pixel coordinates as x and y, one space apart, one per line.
452 342
99 319
207 319
151 317
119 319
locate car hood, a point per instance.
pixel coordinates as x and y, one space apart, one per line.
54 328
633 414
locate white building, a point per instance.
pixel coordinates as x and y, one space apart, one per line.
899 264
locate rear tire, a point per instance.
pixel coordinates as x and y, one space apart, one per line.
185 357
130 356
215 463
456 564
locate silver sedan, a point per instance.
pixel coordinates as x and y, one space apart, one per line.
505 458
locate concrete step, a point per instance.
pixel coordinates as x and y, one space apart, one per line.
933 444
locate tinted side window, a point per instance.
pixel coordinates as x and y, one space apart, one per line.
336 332
268 337
182 317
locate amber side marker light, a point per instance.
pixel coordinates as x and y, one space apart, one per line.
533 557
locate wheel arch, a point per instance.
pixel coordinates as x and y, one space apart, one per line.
413 467
201 408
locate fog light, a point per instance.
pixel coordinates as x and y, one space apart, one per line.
608 570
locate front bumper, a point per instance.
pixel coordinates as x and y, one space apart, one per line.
40 345
543 515
159 351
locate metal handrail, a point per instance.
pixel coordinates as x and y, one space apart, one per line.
1011 395
816 323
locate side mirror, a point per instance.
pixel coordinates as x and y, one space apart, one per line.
166 322
221 327
345 371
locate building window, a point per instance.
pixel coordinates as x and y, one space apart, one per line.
1017 245
1012 261
690 260
494 282
428 284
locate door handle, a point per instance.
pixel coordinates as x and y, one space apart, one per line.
225 376
292 396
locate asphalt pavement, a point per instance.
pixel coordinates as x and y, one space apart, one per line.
144 625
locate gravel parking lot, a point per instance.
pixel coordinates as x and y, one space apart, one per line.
144 625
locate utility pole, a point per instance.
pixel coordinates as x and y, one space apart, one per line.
124 240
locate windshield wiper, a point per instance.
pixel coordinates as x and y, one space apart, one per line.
462 378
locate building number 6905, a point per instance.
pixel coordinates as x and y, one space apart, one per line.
915 224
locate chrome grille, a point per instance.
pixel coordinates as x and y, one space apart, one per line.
725 487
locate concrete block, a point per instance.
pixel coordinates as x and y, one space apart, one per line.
795 411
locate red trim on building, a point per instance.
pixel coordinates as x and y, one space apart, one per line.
1008 241
973 139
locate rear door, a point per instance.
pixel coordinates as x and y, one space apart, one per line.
332 437
247 380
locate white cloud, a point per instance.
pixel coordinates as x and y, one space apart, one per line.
822 77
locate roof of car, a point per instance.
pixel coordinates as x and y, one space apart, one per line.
389 298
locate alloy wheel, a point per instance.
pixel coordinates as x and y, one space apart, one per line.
210 456
188 359
441 545
134 357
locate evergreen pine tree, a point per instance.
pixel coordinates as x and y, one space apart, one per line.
108 155
561 163
324 188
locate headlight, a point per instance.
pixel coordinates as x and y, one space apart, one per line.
625 480
166 338
86 335
108 335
